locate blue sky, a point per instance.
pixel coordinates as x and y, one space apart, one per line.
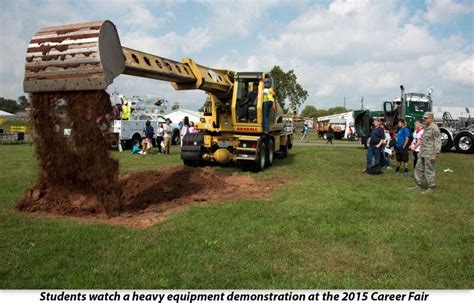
352 49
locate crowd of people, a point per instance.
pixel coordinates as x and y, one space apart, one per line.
162 136
424 144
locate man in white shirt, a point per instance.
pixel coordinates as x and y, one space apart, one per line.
168 133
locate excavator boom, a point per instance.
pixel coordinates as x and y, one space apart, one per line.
89 56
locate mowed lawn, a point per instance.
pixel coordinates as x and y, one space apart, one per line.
330 227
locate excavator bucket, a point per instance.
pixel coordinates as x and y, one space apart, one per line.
83 56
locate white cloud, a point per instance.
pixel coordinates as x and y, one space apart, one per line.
446 10
460 70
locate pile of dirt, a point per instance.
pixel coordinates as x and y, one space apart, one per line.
148 197
77 163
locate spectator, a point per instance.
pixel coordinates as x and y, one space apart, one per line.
136 148
387 151
149 132
329 136
417 137
184 129
377 136
192 129
167 133
159 136
304 131
401 148
430 147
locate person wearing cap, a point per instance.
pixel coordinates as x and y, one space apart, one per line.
377 137
430 147
168 132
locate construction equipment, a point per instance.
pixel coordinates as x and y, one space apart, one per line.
88 56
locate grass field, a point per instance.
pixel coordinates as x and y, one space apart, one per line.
330 227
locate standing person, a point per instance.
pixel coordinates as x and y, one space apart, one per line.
387 152
401 148
415 145
149 132
126 110
159 136
168 132
430 147
184 129
377 137
268 104
192 129
305 133
329 136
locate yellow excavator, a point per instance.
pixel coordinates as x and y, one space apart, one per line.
89 56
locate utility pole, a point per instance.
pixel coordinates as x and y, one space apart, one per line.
362 101
344 102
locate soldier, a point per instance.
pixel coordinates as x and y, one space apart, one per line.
430 146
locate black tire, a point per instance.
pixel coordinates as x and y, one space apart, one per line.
464 142
284 151
192 163
446 142
270 153
261 160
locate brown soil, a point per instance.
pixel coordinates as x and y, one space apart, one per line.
149 197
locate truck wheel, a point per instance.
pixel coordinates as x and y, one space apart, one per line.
464 142
260 162
270 150
192 163
284 151
446 142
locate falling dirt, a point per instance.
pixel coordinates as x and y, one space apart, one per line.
77 177
78 163
149 197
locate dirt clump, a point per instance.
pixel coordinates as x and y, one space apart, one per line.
150 196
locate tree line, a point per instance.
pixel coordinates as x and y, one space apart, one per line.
14 106
312 112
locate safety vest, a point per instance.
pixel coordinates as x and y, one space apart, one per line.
125 112
269 97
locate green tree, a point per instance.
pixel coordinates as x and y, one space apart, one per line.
287 88
23 102
309 111
337 110
8 105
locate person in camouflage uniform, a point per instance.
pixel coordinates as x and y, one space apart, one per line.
429 148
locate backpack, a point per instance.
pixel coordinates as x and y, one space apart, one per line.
376 169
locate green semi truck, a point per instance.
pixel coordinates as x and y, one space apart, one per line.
410 106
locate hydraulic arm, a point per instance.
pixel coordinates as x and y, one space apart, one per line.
89 56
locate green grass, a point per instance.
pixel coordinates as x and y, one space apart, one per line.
329 227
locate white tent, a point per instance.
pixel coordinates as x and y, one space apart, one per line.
179 114
4 114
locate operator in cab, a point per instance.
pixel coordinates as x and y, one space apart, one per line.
268 104
250 101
